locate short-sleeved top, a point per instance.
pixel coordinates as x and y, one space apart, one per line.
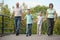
17 11
50 13
29 19
39 21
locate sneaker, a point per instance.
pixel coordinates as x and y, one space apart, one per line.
17 34
27 35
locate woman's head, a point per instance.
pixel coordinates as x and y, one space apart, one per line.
51 5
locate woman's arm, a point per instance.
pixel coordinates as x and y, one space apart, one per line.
55 16
46 15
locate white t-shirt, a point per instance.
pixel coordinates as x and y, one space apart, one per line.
39 20
17 11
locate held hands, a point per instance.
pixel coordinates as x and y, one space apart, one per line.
22 19
10 17
44 19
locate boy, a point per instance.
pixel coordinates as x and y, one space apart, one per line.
29 20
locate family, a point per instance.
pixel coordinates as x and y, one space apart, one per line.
18 16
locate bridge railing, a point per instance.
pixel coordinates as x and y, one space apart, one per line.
3 28
2 23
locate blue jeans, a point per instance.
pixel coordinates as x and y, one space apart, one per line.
17 23
28 29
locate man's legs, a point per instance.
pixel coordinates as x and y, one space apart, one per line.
17 24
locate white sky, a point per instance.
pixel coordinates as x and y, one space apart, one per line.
33 3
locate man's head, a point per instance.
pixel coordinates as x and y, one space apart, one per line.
17 4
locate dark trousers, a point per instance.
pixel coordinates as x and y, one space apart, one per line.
50 26
17 23
28 29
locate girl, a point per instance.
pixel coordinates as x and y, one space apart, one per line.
39 23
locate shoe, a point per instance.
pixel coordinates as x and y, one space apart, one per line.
49 34
27 35
17 34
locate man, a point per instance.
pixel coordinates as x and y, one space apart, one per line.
17 12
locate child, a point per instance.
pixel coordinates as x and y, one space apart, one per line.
29 20
39 23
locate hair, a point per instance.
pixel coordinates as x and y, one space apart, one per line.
28 9
51 4
17 3
40 12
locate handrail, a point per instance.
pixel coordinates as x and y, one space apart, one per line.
3 15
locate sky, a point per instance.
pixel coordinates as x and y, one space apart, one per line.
33 3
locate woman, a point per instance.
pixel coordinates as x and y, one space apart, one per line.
51 15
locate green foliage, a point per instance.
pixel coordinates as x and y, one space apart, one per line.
39 8
57 26
34 11
44 27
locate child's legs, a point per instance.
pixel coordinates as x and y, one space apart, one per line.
37 28
30 28
27 29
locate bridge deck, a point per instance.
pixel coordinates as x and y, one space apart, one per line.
33 37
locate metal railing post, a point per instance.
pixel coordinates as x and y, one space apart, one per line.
2 24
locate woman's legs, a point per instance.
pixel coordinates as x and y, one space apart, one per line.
50 26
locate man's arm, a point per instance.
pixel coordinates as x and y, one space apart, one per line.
22 14
12 14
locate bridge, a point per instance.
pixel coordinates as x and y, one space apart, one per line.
33 37
12 36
